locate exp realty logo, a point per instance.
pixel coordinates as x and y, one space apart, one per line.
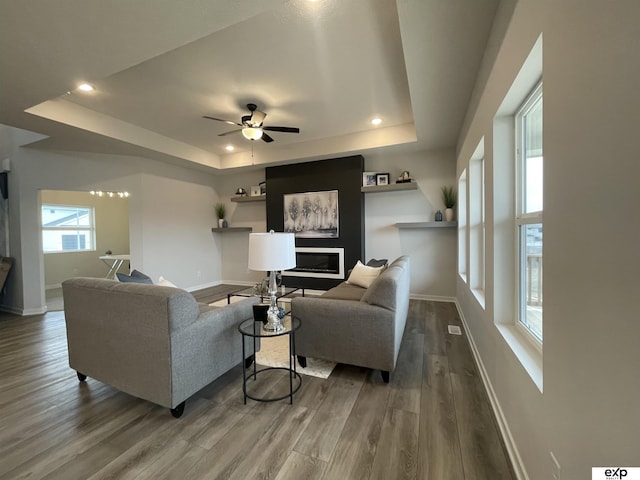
615 473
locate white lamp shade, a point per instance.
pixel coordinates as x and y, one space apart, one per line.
272 251
251 133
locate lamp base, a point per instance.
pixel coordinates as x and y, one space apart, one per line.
274 324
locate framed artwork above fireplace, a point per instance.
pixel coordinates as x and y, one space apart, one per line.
312 214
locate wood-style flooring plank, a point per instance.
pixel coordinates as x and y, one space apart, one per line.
406 380
415 317
144 453
321 436
210 425
225 456
268 454
356 449
458 352
397 452
298 466
174 462
84 464
439 444
436 321
483 457
58 444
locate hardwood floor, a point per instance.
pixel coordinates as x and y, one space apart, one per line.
432 421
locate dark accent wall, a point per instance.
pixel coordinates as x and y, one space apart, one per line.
342 174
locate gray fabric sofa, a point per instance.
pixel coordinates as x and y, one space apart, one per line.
354 325
150 341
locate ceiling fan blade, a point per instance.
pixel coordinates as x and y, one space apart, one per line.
229 133
257 117
221 120
282 129
266 138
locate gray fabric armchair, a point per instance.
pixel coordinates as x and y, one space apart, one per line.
355 325
153 342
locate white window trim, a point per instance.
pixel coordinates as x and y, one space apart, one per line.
463 227
502 214
521 219
91 228
476 222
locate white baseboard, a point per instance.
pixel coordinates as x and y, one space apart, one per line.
433 298
23 312
510 445
53 286
203 286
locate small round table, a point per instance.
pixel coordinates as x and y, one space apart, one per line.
252 328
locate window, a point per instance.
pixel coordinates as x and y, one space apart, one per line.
67 228
529 207
462 225
477 223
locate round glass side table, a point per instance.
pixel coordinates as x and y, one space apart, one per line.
253 329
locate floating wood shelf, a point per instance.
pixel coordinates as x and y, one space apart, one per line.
427 224
232 229
256 198
393 187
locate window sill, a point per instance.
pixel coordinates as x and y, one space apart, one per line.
529 356
479 295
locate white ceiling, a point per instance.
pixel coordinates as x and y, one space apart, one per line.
327 67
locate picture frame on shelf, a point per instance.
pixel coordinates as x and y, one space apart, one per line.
255 190
382 179
369 179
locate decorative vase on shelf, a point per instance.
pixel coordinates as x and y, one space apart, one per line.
221 223
225 224
438 216
448 214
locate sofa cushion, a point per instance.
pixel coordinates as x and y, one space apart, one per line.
135 277
377 263
165 283
363 276
345 291
385 289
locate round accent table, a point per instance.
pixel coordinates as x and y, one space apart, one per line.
253 329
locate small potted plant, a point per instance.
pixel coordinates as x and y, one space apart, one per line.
221 211
449 197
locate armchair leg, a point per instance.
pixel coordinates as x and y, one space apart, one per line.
385 376
81 376
302 361
178 411
249 361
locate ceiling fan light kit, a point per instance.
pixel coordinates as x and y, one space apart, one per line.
252 125
251 133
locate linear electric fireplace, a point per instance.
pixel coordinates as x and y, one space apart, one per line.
318 262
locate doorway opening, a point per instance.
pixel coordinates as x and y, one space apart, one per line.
77 228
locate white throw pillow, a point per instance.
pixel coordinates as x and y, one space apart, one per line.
165 283
363 276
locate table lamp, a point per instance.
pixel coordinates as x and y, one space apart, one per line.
270 252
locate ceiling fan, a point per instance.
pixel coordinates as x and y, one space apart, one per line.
252 128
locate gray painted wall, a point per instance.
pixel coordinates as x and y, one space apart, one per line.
587 412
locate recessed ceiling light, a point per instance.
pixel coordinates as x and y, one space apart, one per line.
376 121
85 87
229 148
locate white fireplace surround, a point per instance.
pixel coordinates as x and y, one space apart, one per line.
331 250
